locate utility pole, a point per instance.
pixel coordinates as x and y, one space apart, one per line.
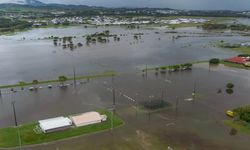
194 92
162 97
162 94
74 70
136 103
111 119
146 71
194 87
14 112
113 92
176 103
176 106
112 78
18 132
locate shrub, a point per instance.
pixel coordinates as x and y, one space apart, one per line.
243 113
62 78
214 61
244 55
230 85
233 131
35 81
163 68
229 91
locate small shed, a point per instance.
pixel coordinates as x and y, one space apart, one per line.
55 124
88 118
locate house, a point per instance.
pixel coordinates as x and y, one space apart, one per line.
238 60
87 119
55 124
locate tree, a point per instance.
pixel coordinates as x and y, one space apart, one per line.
230 85
214 61
107 32
62 78
35 81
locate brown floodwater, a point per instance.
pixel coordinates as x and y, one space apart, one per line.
189 125
194 125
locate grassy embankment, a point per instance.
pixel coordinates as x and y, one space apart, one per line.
240 120
240 126
234 65
9 136
22 84
176 67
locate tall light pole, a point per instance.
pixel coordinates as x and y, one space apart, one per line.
136 103
112 118
113 92
112 78
14 112
16 125
176 106
194 91
74 70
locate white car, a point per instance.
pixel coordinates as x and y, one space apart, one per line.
31 88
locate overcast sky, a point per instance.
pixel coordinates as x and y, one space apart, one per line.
179 4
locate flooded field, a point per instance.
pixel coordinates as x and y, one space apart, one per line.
192 125
31 59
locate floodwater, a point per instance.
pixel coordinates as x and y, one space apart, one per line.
191 125
30 59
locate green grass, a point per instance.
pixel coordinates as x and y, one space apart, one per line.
240 49
243 50
9 136
240 126
169 66
183 25
99 75
234 65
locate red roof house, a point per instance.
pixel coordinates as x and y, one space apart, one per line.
238 60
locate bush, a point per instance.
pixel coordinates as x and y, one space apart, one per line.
35 82
230 91
211 26
214 61
244 55
62 78
233 131
243 113
230 85
163 68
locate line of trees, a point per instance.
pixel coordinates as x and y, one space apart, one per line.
11 25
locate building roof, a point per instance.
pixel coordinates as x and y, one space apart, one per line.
239 60
54 123
86 118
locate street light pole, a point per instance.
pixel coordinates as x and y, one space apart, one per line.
113 92
74 70
16 125
14 112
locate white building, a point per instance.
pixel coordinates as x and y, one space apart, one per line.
55 124
88 118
